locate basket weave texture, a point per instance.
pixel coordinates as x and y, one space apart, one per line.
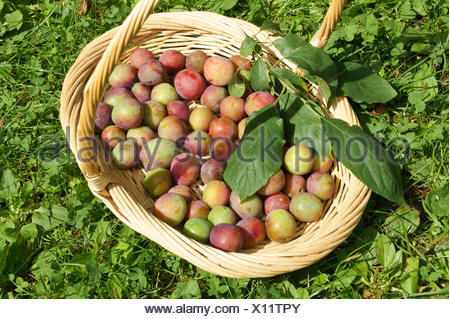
122 190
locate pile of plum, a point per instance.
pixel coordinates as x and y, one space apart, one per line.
174 116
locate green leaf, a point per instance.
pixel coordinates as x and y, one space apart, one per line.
188 289
8 231
226 4
362 85
114 288
258 156
8 184
410 275
402 222
385 251
270 26
259 76
29 231
288 44
436 201
302 123
247 47
291 80
93 271
236 87
50 218
366 158
14 20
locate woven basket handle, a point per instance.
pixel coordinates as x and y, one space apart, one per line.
94 89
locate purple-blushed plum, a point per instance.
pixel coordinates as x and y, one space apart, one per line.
213 96
322 163
306 207
171 208
216 193
184 191
189 84
252 206
241 64
211 170
172 128
152 73
257 100
198 229
178 109
158 153
125 154
274 184
276 201
157 182
222 127
294 184
111 136
128 114
198 143
222 215
154 112
321 185
232 107
140 56
172 60
185 169
241 128
164 93
141 92
103 116
200 118
115 96
280 225
298 159
123 75
227 237
221 149
196 60
141 134
254 231
218 70
197 208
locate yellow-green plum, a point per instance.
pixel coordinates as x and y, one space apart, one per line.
140 56
254 231
185 169
213 96
189 84
128 114
322 163
200 118
172 60
273 185
222 215
249 207
152 73
115 96
141 92
157 153
227 237
172 128
198 229
198 142
141 134
306 207
294 184
197 208
171 208
216 193
103 116
123 75
218 70
232 107
111 136
164 93
257 100
196 60
321 185
154 112
126 154
276 201
280 225
157 182
178 109
211 170
184 191
299 159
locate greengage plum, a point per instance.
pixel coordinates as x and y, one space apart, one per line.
172 60
125 154
184 191
157 153
257 100
321 185
140 56
249 207
189 84
128 114
178 109
222 215
196 60
216 193
185 169
198 142
218 70
171 208
253 230
157 182
154 112
197 208
123 75
141 92
164 93
111 136
200 118
152 73
172 128
294 184
241 128
211 170
103 116
276 201
222 127
232 107
115 96
198 229
274 184
306 207
221 149
322 163
227 237
280 225
298 159
213 96
141 134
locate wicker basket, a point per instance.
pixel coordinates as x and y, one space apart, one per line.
122 190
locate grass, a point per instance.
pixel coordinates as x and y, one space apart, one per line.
58 241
